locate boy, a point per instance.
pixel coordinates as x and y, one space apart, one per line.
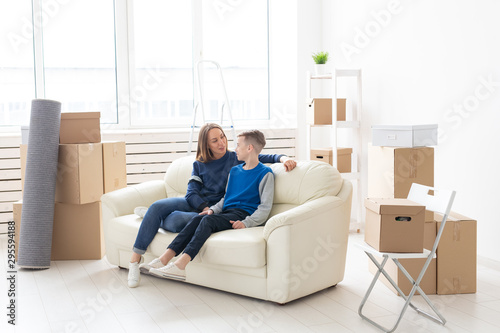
247 203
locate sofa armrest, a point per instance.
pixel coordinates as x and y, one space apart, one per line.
123 201
307 246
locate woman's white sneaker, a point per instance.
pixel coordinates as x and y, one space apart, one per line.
170 271
155 263
134 275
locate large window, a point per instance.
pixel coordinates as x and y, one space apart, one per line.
138 57
79 56
170 37
17 79
162 83
236 37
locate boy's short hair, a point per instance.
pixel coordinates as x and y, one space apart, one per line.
256 138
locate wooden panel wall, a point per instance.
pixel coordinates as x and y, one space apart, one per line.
149 154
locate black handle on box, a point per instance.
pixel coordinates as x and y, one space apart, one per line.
403 218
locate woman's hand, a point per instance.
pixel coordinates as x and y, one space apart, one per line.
238 224
288 163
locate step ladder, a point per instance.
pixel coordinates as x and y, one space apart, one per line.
201 105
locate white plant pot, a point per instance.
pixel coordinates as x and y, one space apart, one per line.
320 69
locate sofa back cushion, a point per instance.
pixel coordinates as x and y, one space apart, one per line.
309 180
177 176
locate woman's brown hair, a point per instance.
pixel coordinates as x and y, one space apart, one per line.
203 152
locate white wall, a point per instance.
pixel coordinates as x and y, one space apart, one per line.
432 62
295 29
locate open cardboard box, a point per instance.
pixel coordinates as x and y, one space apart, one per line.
394 225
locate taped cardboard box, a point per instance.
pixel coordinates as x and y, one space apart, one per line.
413 266
394 225
23 152
114 166
16 212
325 155
79 173
77 232
320 111
80 127
457 255
391 171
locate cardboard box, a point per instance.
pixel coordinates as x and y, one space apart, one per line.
23 152
391 171
394 225
325 155
16 212
77 231
404 135
114 166
320 111
457 255
25 134
413 266
80 127
79 173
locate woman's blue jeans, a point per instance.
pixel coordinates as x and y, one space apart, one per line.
171 214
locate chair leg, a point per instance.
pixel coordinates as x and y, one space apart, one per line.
407 299
416 286
370 289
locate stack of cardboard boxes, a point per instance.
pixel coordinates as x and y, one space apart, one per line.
320 113
87 168
391 171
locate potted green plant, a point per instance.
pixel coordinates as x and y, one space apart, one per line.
320 59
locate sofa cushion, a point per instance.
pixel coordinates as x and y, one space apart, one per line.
238 247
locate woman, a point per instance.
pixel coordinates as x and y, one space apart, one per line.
206 187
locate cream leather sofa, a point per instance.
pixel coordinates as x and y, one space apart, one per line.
300 250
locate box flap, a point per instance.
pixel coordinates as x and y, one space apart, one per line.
393 206
80 115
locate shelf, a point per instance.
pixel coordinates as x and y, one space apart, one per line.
339 73
341 124
354 125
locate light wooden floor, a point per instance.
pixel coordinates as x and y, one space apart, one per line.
92 296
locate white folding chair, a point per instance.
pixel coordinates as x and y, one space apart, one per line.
439 202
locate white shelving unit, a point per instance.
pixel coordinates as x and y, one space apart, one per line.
353 125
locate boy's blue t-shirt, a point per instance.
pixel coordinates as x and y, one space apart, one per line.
207 184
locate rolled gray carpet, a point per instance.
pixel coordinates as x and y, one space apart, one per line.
37 218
